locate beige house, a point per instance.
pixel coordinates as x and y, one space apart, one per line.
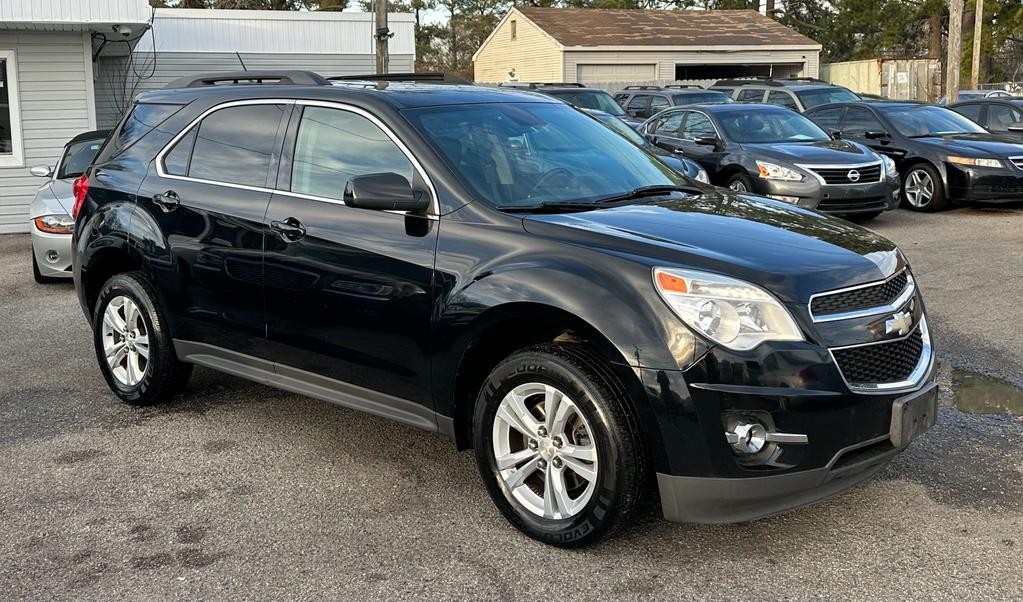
594 46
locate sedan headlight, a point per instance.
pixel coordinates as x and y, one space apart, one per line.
889 166
976 162
772 171
55 224
701 175
730 312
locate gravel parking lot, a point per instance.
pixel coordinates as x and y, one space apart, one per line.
238 491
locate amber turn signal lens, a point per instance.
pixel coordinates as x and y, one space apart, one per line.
670 283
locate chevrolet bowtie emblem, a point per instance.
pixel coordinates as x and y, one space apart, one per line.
899 323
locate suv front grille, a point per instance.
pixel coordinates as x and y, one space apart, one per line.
879 295
840 175
1017 161
889 362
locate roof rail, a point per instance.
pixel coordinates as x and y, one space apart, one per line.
289 78
641 88
683 87
768 80
422 77
534 85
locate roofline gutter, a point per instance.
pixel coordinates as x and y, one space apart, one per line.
698 49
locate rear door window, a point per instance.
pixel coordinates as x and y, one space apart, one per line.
657 104
782 99
971 112
751 95
232 145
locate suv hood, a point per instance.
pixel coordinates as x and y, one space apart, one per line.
827 152
974 145
791 252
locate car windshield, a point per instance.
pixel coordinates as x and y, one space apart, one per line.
77 157
590 99
701 98
923 121
764 127
524 154
823 96
622 128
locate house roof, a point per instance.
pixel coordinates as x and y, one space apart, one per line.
80 15
598 27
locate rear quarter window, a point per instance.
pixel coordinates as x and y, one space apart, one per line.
141 120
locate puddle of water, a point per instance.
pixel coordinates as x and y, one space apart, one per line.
979 394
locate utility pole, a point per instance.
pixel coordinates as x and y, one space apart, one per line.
382 35
955 50
978 28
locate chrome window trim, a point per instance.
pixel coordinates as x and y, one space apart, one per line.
811 167
161 171
913 382
907 293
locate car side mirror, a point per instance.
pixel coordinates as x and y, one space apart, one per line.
384 192
875 135
1016 127
41 171
835 134
709 141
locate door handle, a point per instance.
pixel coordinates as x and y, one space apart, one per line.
167 201
678 151
289 229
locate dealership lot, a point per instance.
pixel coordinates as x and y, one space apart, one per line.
237 491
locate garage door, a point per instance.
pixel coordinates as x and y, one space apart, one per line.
615 73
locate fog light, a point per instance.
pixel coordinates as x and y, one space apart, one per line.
749 438
52 256
785 199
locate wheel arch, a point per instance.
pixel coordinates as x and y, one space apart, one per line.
938 166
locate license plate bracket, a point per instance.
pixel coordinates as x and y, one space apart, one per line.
913 415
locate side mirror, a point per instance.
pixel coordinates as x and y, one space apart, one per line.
835 134
875 135
1016 127
384 192
708 141
41 171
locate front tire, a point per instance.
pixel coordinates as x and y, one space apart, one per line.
133 345
740 183
923 190
557 446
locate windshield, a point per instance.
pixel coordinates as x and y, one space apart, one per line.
622 128
823 96
765 127
590 99
77 157
920 121
522 154
701 98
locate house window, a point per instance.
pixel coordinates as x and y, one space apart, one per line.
514 30
10 120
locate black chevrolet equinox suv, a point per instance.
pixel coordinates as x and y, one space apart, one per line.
500 268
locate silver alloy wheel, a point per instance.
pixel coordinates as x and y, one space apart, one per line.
919 188
544 451
737 186
125 341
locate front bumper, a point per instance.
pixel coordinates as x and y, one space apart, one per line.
984 184
835 198
52 253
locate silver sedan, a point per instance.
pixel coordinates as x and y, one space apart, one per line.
50 211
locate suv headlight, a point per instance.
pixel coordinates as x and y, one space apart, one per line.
978 162
730 312
889 166
772 171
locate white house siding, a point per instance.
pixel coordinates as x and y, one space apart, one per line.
55 93
69 14
112 97
665 60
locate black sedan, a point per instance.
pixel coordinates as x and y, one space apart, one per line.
998 115
687 167
943 157
776 152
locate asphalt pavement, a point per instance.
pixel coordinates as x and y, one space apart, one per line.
238 491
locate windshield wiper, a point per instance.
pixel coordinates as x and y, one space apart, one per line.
940 134
602 202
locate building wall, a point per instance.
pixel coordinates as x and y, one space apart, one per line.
55 96
533 55
665 60
113 94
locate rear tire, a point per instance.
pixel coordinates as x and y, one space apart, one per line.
571 478
923 189
133 344
37 275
